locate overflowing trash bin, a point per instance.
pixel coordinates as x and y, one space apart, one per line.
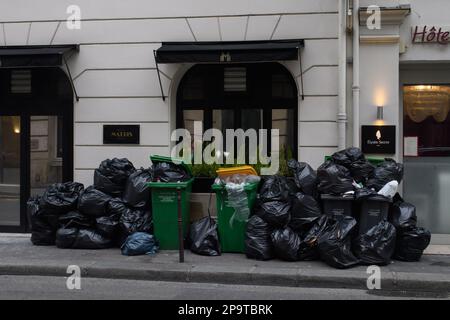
170 193
233 209
374 209
333 204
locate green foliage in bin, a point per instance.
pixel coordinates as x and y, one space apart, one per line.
209 170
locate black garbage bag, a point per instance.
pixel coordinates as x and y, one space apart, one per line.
43 225
204 238
364 193
305 177
361 170
258 242
105 185
377 245
274 188
75 219
93 202
108 225
305 212
131 220
403 215
91 239
348 156
170 172
334 243
334 179
140 243
137 191
111 176
65 237
309 245
292 187
411 244
42 232
275 213
385 172
60 198
286 244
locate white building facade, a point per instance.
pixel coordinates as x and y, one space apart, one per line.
115 77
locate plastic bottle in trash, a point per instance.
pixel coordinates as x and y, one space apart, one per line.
390 189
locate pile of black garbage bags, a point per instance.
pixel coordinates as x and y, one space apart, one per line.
288 221
100 216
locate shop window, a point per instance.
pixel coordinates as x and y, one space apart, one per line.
257 96
426 117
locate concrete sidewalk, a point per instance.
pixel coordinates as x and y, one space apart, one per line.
19 257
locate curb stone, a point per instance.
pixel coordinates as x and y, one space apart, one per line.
391 281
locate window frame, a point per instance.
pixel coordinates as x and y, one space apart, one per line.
257 96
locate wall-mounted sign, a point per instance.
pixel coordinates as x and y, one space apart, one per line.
431 34
378 139
121 134
411 146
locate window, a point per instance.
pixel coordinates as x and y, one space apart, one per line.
426 116
258 96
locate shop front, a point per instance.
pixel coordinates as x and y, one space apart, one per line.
426 144
36 129
290 65
406 63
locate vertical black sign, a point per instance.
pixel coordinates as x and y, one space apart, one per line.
121 134
378 139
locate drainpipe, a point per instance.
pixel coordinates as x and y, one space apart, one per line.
356 85
342 113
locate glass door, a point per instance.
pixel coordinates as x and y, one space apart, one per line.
45 152
10 171
426 131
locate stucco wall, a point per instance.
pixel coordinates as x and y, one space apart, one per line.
115 76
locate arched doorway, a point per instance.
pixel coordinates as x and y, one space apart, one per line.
36 138
232 96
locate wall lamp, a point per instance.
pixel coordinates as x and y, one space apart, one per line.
379 112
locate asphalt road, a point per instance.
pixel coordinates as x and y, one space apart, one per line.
34 287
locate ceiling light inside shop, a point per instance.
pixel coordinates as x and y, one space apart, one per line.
235 79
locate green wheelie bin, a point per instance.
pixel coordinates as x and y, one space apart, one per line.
165 204
232 234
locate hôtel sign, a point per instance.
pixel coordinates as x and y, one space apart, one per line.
431 34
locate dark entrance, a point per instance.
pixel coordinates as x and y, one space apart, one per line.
233 96
36 138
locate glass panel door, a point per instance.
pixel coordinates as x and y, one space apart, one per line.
426 127
10 170
45 152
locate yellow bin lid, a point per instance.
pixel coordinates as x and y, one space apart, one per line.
244 170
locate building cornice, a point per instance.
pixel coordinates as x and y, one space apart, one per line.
385 39
389 15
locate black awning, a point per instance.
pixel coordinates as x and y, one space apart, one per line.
34 56
228 51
